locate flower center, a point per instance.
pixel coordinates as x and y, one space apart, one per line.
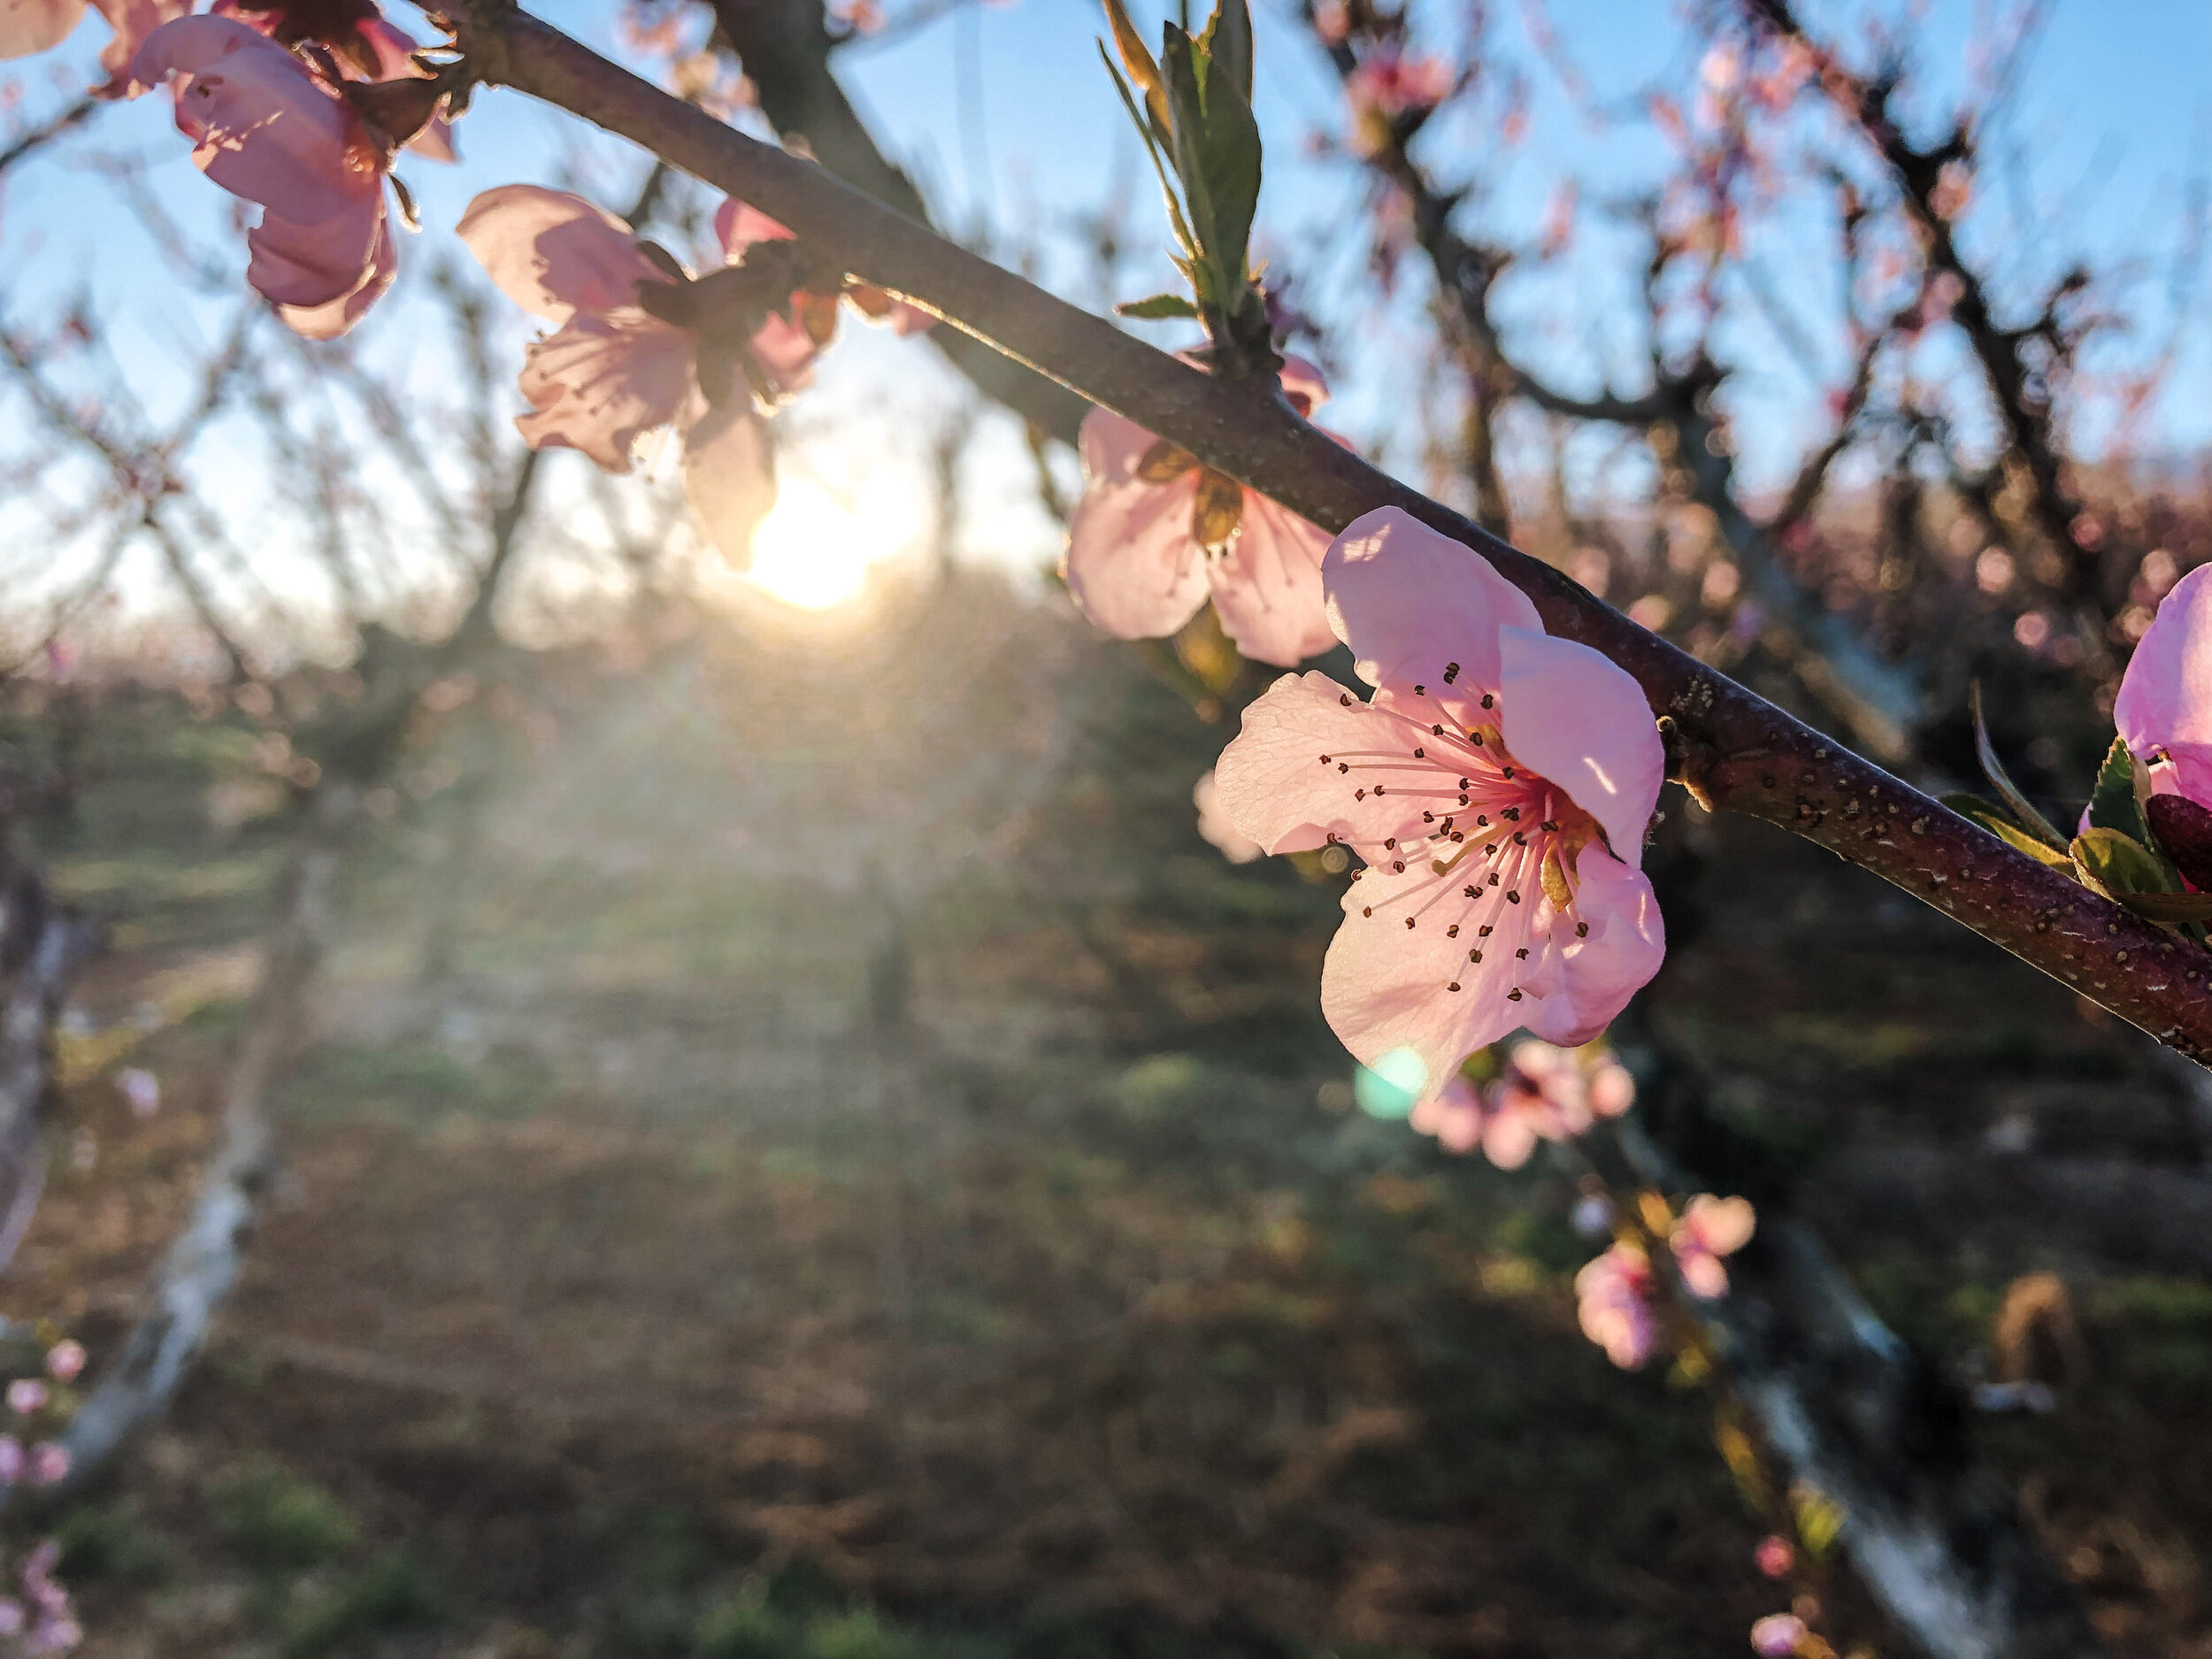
1217 508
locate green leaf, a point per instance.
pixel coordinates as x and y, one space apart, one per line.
1187 129
1231 160
2118 865
1158 309
2112 804
1176 221
1994 769
1228 43
2170 907
1976 811
1142 69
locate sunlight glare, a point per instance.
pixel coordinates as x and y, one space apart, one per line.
814 548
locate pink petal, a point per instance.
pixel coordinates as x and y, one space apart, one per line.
1267 587
2165 699
739 224
133 20
36 25
730 477
1383 984
1571 715
1216 828
335 316
554 254
1703 1274
1612 1090
1721 1225
312 264
787 351
1409 602
1276 789
265 129
601 381
1591 978
1131 563
1507 1139
1303 383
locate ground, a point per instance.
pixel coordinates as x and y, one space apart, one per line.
809 1154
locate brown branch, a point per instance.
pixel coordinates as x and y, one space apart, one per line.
1731 747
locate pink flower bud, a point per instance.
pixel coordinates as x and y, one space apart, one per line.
65 1361
27 1394
1775 1555
1778 1635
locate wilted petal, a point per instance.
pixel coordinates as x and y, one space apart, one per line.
2165 699
601 381
1573 716
1131 563
730 476
555 254
1410 601
1282 783
1267 586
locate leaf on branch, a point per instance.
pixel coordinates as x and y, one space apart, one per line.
1227 41
1977 810
2170 907
1994 769
1158 309
1143 68
1176 221
2119 866
2112 804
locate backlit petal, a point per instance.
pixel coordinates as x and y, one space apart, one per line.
1267 587
1410 601
1573 716
1131 564
554 254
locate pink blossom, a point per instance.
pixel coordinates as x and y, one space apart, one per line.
739 226
1550 1094
142 1088
1778 1635
2164 709
267 128
1710 1228
1214 824
1613 1297
49 1463
27 1394
362 47
1454 1114
1157 532
1390 83
65 1361
1497 784
612 370
1775 1555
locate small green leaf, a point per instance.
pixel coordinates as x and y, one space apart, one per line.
2119 864
1976 811
1176 221
1158 309
2112 804
1994 769
1187 129
1231 154
2170 907
1228 43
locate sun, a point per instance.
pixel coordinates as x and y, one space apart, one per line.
814 548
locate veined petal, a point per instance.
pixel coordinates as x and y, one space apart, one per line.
1267 587
1410 602
1595 973
2165 699
601 381
1131 563
1573 716
554 254
1288 781
730 476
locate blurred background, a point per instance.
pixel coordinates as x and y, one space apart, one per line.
611 1097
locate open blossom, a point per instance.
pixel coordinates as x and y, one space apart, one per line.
1710 1228
612 370
1546 1094
268 128
813 322
1778 1635
2164 715
1613 1297
1214 824
360 44
1498 784
1387 86
1157 534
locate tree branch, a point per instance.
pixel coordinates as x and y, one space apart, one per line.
1731 747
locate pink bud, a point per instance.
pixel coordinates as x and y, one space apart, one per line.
65 1361
1776 1635
50 1462
27 1394
1775 1556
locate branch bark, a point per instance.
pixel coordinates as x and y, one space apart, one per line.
1730 746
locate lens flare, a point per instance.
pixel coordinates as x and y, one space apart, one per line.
814 548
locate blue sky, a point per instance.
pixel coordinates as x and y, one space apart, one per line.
1004 114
